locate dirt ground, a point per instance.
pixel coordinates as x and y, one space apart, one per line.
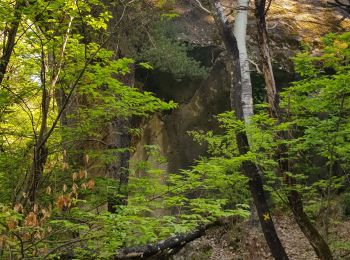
246 242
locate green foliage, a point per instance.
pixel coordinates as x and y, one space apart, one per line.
66 88
345 205
52 57
168 54
315 122
317 114
318 105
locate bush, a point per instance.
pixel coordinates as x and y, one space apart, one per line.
345 205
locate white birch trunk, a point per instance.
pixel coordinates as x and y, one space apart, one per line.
250 169
240 32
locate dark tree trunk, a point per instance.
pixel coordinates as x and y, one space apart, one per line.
316 240
251 170
39 160
119 169
295 201
120 138
10 43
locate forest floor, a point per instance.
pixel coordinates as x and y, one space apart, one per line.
246 242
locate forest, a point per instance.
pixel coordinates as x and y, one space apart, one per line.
175 129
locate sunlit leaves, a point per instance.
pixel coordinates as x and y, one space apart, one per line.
60 40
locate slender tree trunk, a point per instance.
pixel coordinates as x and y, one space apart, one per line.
40 153
119 169
251 170
39 150
120 138
270 85
294 198
315 239
10 43
240 32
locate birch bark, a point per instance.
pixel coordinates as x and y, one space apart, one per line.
249 168
240 32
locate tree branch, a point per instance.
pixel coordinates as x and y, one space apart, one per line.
202 7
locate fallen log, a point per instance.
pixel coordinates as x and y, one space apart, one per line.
165 247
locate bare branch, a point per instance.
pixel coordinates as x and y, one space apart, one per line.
256 66
202 7
268 7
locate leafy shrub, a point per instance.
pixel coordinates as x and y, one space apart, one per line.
345 205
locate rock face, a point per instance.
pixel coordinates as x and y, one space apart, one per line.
199 102
289 23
